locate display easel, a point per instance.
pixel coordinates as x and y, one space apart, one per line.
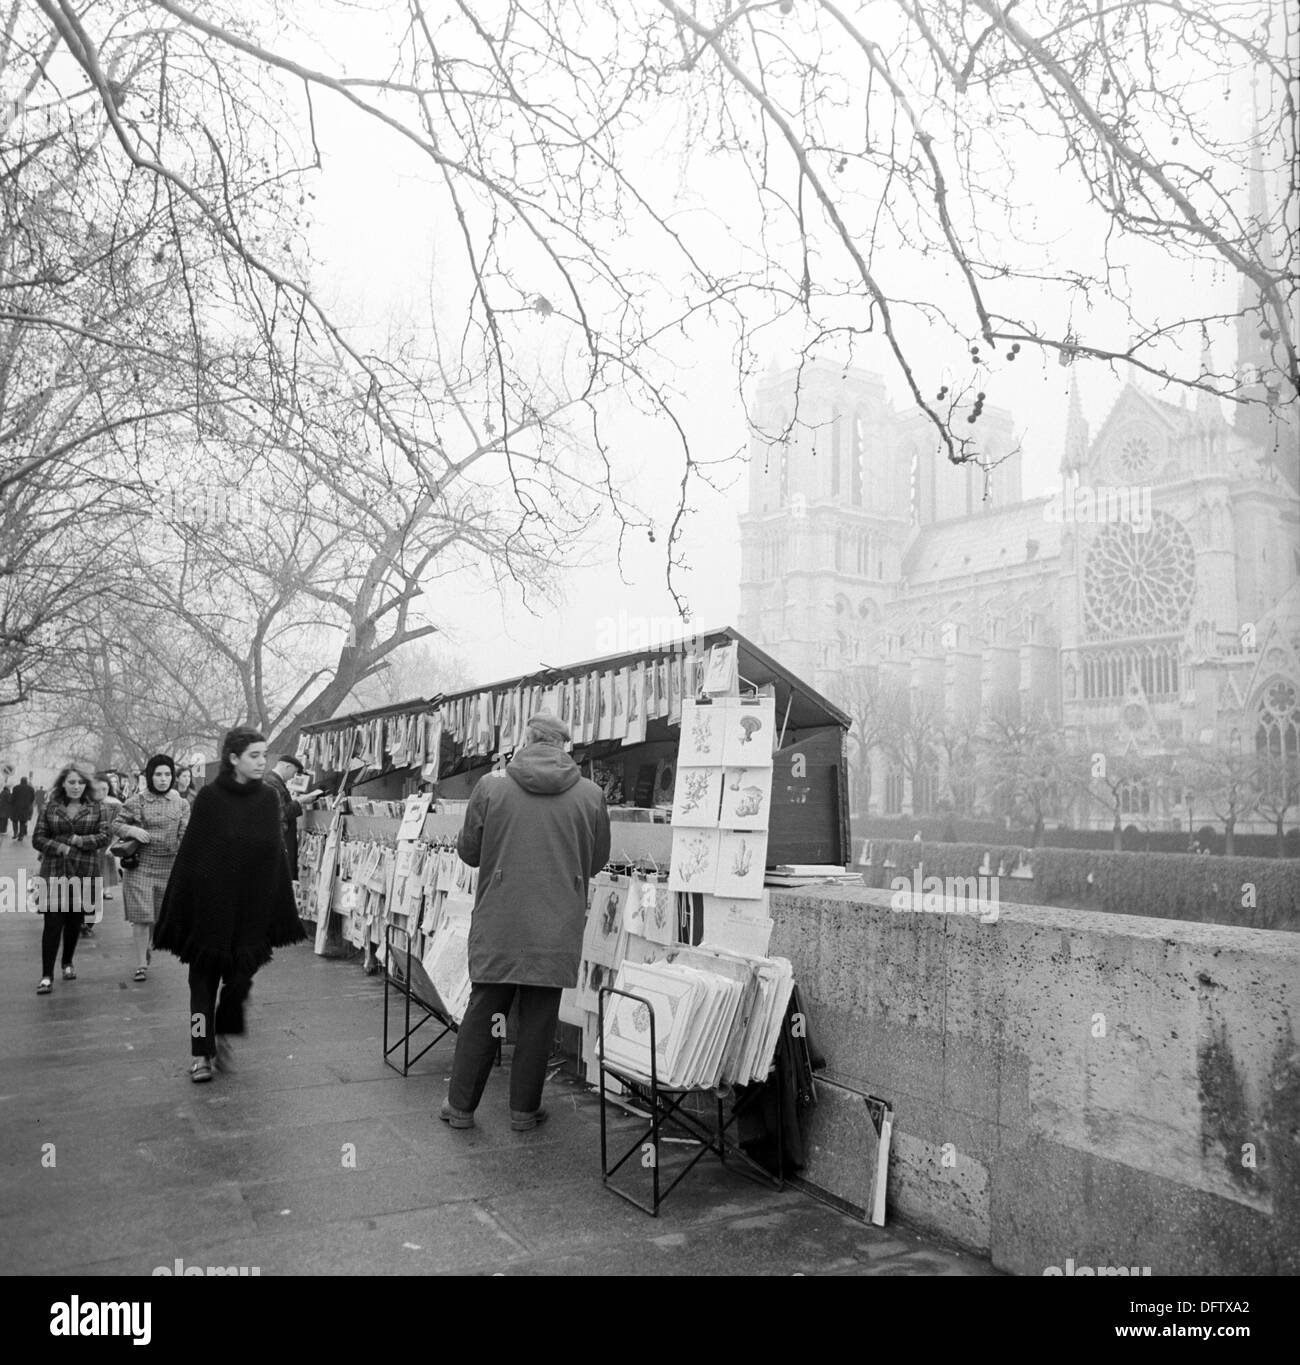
665 1106
405 974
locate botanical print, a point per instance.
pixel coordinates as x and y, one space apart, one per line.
701 741
742 858
694 863
720 672
749 735
675 689
657 903
663 690
695 800
737 926
746 798
579 708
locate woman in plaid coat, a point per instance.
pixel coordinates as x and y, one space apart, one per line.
157 817
69 835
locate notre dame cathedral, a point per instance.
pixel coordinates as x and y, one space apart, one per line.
1151 603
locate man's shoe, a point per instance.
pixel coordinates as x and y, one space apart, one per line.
457 1118
201 1070
523 1123
69 973
45 987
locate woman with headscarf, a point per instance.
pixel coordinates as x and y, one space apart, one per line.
230 898
69 835
157 818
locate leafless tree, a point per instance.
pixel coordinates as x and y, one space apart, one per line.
1226 781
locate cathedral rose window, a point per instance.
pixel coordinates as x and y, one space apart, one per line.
1139 582
1135 456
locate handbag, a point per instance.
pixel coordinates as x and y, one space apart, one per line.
127 852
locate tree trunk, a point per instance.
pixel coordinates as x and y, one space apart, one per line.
1280 852
1116 838
1229 837
1038 831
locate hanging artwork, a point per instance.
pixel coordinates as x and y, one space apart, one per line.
695 858
651 690
690 683
657 905
622 687
741 860
665 782
702 734
566 703
746 798
605 712
750 732
636 706
720 671
675 689
604 931
695 798
579 718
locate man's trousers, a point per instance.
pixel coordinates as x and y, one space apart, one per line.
484 1026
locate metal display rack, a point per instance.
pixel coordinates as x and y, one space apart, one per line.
405 974
665 1107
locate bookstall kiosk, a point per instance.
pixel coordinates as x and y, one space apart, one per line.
378 867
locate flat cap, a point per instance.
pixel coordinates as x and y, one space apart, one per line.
549 728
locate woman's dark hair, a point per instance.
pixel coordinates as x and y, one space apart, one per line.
82 772
236 741
184 772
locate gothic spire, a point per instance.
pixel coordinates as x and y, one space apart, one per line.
1074 454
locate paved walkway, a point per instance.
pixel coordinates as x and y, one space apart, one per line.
315 1158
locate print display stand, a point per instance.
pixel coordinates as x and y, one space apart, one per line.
405 974
664 1104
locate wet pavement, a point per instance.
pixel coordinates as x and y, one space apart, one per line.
313 1157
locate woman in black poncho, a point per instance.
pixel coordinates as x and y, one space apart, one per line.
229 900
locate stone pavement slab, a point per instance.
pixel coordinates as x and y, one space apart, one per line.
312 1157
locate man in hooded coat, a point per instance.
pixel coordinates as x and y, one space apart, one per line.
537 833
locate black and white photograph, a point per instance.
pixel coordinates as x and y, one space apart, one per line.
837 460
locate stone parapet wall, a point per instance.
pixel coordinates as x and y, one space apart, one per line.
1117 1091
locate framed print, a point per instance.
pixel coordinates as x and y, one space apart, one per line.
741 860
695 859
695 798
658 907
749 737
746 798
702 734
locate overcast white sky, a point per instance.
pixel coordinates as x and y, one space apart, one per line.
375 239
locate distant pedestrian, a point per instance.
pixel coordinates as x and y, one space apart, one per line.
537 832
6 806
287 767
229 900
157 818
20 807
72 830
185 785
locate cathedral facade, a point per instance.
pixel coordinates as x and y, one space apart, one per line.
1147 606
